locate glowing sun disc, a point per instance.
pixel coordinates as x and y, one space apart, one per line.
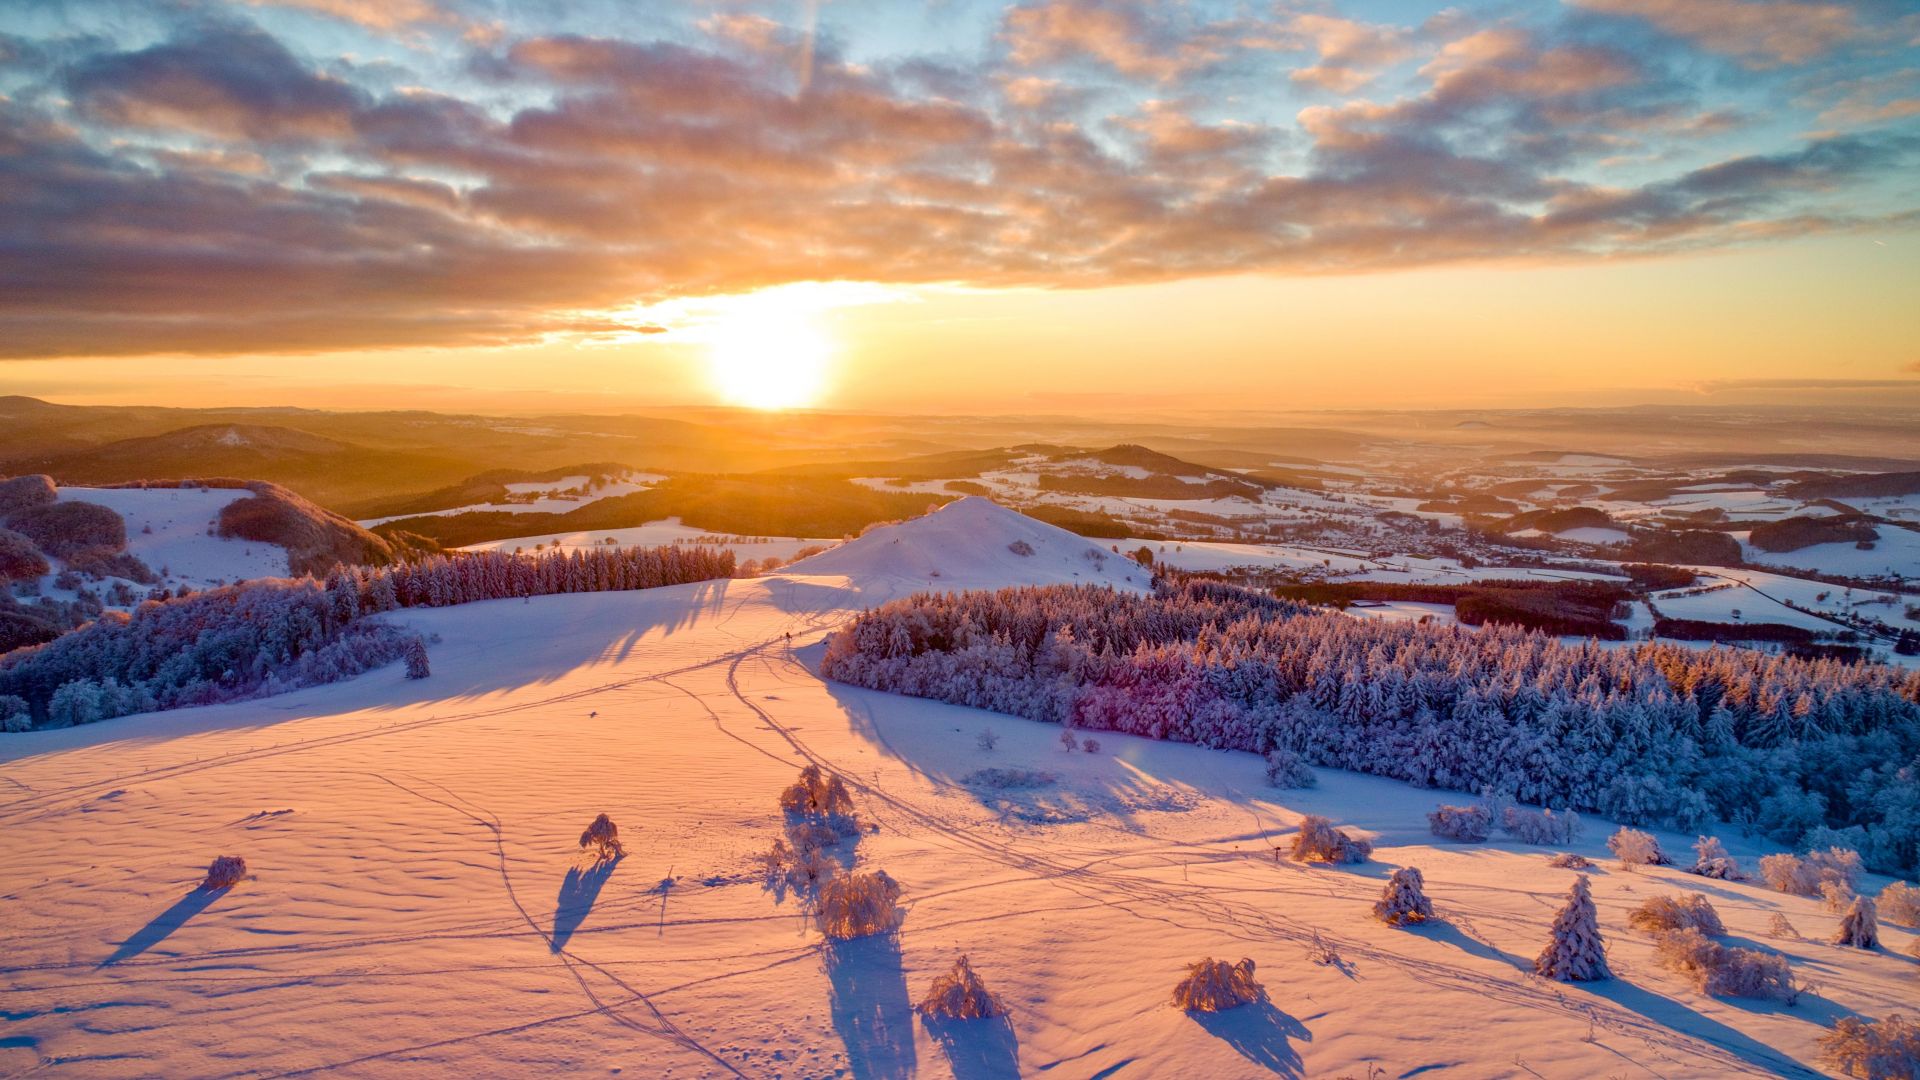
768 363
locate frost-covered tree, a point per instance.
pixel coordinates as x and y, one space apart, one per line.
416 658
1574 952
1806 875
1404 899
1215 985
822 797
960 995
15 714
1710 859
1567 860
1319 842
224 872
1469 824
1286 770
1898 903
1675 912
1635 848
1722 970
1859 927
860 904
603 836
1886 1049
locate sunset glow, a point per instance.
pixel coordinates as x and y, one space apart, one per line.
769 361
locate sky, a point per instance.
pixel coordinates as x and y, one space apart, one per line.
1047 205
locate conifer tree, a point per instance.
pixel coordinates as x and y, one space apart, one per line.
1575 953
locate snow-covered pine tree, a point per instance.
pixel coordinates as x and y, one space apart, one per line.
1404 900
1575 952
416 657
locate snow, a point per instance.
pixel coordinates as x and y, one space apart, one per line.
1594 535
560 496
1896 552
178 546
652 534
419 905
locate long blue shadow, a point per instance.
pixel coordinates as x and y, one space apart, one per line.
983 1049
1262 1034
870 1007
164 924
578 891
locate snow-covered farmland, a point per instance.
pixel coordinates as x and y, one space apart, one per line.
417 903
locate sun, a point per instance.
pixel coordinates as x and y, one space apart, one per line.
770 360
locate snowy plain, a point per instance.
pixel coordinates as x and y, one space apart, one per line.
418 905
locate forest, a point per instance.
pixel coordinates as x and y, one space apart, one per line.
1805 751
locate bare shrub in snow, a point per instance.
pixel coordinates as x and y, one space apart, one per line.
1068 742
1214 985
1710 859
803 868
1635 848
1404 900
1567 860
224 872
1575 953
1873 1049
1690 912
822 795
603 836
1724 971
1779 927
1540 826
1020 547
987 739
1802 875
1835 896
856 905
1321 951
1468 824
1319 842
1286 770
1899 903
1859 928
1090 745
960 995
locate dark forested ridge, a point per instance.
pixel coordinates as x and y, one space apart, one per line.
1803 750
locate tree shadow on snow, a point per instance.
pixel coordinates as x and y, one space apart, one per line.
984 1049
1444 931
578 890
1261 1033
1684 1021
870 1007
164 924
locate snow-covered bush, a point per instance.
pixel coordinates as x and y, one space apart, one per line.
1859 928
1722 970
1068 742
960 995
1899 904
1802 875
1567 860
1779 927
1835 896
603 836
1090 744
987 739
15 714
1690 911
1215 985
823 796
856 905
1635 848
1404 899
1319 842
1286 770
224 872
803 869
1542 827
1710 859
1574 952
1873 1049
1021 548
1468 824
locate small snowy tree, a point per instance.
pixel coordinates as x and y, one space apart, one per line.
1635 848
1567 860
1404 900
987 739
1575 953
1779 927
1873 1049
1724 971
15 715
1691 911
1836 896
416 658
1215 985
856 905
1090 744
821 795
1859 928
1803 875
1710 859
1899 903
1540 826
1468 824
1286 770
1319 842
224 872
960 995
1068 742
604 837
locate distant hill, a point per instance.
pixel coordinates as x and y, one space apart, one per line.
1869 486
316 539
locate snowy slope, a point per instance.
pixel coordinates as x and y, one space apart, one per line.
168 529
666 531
969 543
417 905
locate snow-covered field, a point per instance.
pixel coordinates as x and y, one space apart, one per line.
545 497
169 530
418 907
667 531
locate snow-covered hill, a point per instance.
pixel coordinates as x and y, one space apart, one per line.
417 904
171 530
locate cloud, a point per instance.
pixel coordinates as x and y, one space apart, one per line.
1118 33
1350 53
1758 32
